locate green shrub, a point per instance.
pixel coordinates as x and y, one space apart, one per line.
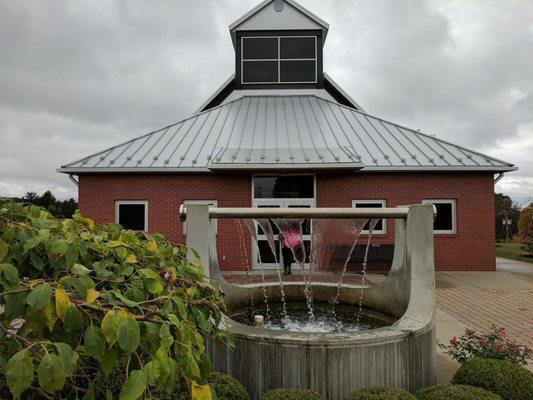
80 303
455 392
225 387
491 344
291 394
502 377
381 393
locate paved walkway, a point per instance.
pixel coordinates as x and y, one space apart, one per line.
479 299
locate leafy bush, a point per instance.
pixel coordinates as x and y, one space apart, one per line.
78 302
502 377
291 394
381 393
455 392
493 344
225 387
525 228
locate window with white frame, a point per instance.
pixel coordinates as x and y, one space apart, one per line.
381 225
279 59
209 202
132 214
446 219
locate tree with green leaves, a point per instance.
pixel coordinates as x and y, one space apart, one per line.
58 208
525 228
79 302
506 209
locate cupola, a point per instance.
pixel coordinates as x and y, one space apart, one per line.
278 44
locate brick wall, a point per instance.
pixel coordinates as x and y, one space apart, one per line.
472 248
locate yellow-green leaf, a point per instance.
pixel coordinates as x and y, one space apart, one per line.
51 373
200 392
39 297
134 386
110 324
151 246
19 373
51 316
68 356
130 258
128 335
92 295
94 342
62 303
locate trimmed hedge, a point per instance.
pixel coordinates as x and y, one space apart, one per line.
455 392
291 394
502 377
381 393
227 388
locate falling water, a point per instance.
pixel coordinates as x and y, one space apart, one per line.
352 230
371 227
267 229
293 227
246 266
251 227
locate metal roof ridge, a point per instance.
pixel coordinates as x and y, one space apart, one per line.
416 132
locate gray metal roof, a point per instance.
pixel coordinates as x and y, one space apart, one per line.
255 132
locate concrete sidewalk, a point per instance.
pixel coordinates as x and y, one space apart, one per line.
479 299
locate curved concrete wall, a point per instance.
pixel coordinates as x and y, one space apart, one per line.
333 369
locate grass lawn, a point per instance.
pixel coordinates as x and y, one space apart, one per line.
513 251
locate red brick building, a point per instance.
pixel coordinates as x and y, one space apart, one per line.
281 133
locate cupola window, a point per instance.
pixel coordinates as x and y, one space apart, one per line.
278 59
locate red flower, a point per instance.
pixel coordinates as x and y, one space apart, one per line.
501 333
481 342
453 341
501 349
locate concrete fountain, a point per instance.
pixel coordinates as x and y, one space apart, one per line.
399 353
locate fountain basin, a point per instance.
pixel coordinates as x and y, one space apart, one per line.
334 364
401 354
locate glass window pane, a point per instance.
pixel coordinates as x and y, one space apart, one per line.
306 223
297 71
260 71
444 219
131 216
275 230
259 48
297 47
265 252
292 186
379 224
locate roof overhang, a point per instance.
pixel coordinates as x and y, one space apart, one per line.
230 167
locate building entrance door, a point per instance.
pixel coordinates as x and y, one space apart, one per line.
265 253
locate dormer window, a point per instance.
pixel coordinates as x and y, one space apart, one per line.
279 59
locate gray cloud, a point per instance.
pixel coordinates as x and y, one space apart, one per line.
77 77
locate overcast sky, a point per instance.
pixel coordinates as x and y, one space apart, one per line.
79 76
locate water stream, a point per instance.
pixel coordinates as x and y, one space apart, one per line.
332 244
245 262
252 228
267 229
371 227
291 230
